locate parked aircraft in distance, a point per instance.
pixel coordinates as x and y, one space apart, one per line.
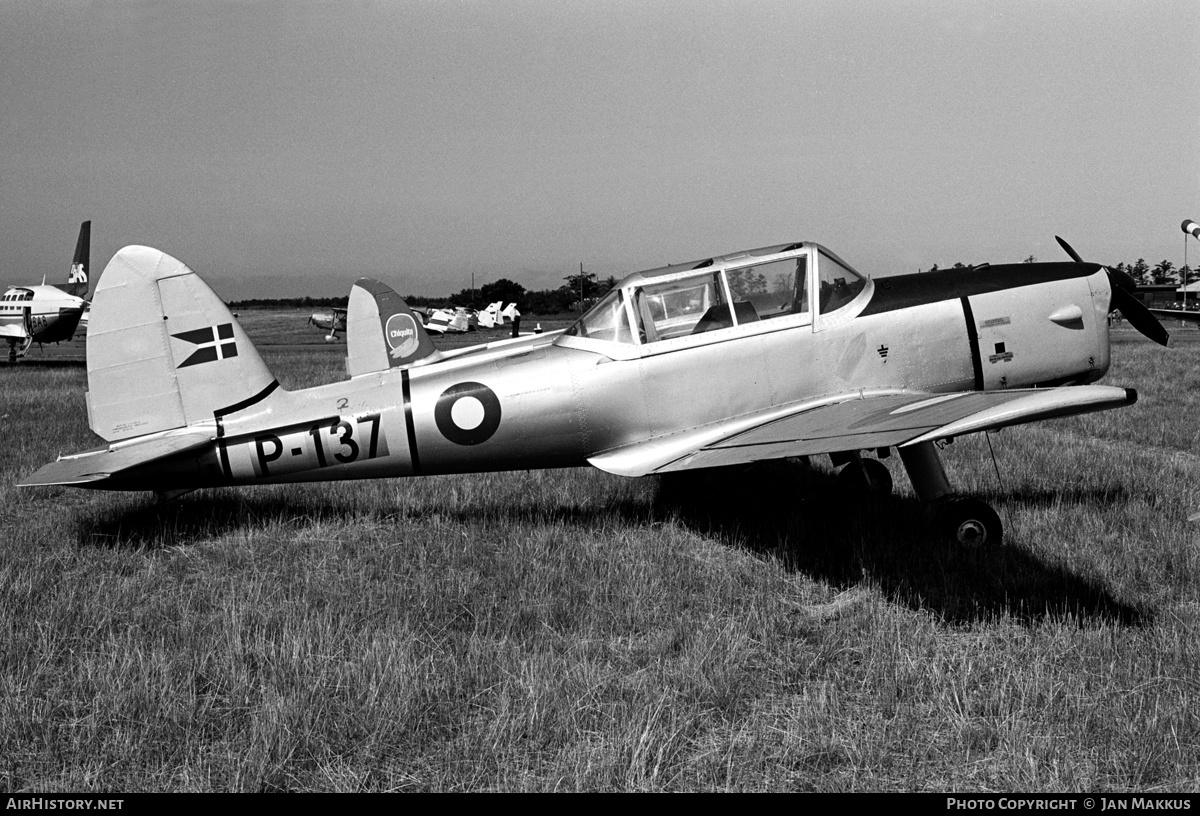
456 319
770 353
334 320
459 319
496 314
47 313
490 317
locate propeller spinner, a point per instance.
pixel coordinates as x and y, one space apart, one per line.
1123 301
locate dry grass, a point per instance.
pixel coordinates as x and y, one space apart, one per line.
575 631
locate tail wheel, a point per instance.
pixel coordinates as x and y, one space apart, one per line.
968 522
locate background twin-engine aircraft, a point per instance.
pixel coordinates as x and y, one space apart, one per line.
47 313
776 352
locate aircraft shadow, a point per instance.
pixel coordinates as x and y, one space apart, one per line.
148 524
44 362
812 524
786 511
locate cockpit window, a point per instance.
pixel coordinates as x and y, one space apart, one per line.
774 289
681 307
838 284
607 320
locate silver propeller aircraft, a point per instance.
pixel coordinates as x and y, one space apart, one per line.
334 320
778 352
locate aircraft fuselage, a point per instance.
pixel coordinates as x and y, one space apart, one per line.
52 315
557 400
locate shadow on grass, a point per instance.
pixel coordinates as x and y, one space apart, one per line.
144 523
814 525
45 362
783 510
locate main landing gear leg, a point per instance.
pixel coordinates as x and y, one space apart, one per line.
960 519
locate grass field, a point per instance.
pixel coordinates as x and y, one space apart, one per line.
571 630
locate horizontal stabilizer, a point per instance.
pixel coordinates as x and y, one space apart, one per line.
92 468
382 332
854 421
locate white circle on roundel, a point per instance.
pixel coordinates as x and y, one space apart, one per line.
467 413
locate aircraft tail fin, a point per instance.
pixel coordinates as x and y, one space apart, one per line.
490 316
382 332
163 350
77 280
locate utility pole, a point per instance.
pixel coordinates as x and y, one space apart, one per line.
1189 227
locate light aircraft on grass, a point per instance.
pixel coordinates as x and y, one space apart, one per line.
334 320
496 314
47 313
491 317
778 352
452 320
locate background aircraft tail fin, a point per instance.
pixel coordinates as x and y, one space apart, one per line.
77 280
382 332
490 316
163 350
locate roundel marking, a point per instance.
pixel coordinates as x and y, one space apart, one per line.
401 335
467 413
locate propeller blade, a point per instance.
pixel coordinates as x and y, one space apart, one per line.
1139 316
1122 279
1124 301
1074 255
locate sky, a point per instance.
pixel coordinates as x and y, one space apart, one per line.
284 149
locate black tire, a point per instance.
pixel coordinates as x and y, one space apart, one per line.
879 478
867 474
968 522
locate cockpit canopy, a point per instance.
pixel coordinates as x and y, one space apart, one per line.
721 293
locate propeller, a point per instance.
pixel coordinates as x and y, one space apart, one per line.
1124 301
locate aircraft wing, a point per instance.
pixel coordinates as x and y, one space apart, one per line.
858 420
1177 314
15 326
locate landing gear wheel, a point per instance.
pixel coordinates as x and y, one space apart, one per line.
968 522
867 474
879 478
